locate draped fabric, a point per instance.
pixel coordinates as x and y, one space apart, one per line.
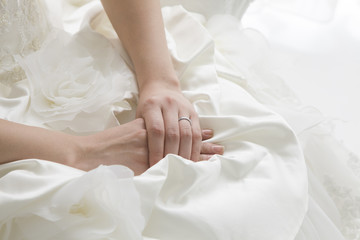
267 185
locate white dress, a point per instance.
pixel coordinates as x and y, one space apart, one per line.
282 176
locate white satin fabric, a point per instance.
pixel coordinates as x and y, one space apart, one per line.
258 190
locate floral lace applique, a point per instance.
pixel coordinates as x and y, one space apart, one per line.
4 16
348 204
23 28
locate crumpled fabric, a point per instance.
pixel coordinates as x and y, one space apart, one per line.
257 190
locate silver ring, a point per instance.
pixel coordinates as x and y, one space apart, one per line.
185 118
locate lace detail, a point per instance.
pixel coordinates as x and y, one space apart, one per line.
348 204
4 17
23 28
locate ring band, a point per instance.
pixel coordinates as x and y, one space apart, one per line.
185 118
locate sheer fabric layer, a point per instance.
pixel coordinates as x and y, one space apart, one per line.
261 182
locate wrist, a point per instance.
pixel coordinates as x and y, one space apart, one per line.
70 151
164 82
75 151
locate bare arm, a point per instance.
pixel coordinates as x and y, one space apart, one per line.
140 27
125 145
19 141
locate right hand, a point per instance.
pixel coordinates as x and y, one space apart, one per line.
127 145
161 105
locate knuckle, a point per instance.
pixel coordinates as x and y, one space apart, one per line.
185 133
169 100
150 102
140 121
172 134
196 135
156 130
140 138
141 133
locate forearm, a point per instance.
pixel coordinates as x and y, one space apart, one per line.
19 141
140 27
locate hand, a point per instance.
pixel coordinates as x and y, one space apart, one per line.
209 149
125 145
161 107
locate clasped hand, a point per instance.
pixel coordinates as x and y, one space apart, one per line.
171 122
157 132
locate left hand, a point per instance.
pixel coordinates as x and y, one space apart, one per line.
161 107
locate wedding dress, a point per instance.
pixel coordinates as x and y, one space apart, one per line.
282 176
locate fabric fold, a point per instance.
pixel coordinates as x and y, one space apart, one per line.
257 190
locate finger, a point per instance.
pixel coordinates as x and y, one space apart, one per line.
185 129
139 122
207 134
211 148
196 139
172 135
155 128
205 157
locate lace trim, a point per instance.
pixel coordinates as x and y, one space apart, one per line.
349 206
4 17
23 27
14 75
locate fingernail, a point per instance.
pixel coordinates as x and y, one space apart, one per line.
218 149
208 132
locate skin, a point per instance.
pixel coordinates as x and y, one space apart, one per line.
125 145
138 144
140 27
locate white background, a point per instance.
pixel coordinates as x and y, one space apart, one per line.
321 40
